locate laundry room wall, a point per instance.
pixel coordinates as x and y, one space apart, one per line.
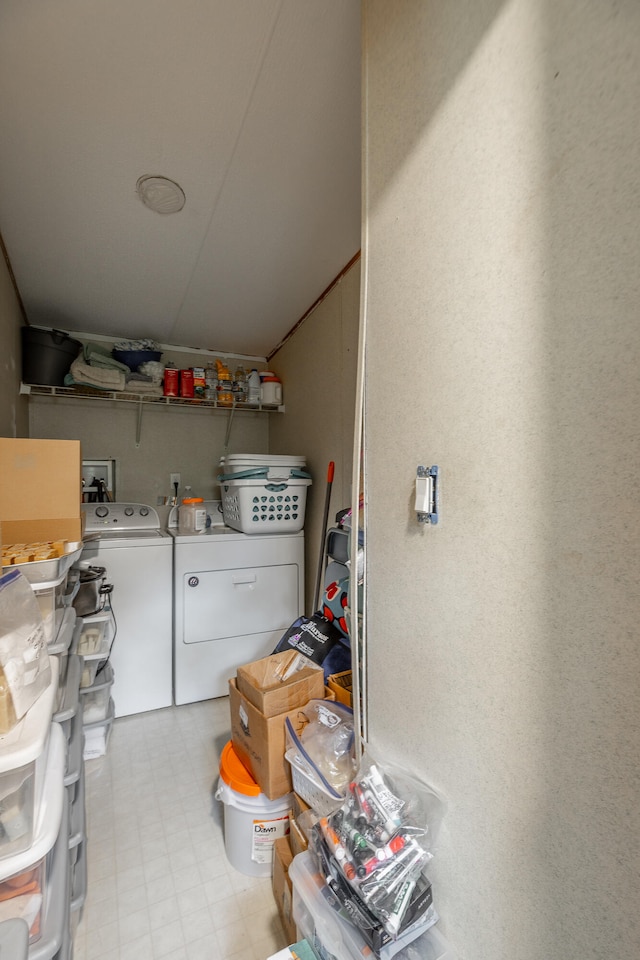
182 440
502 226
14 416
318 366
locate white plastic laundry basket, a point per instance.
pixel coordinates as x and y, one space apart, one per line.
252 822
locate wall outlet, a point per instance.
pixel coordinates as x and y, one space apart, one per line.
174 478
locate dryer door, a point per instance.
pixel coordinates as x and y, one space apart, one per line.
219 604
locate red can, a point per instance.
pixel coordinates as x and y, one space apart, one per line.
170 382
186 383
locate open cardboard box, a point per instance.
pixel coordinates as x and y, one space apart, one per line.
40 490
260 741
261 684
341 684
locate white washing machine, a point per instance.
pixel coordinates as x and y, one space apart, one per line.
137 556
234 596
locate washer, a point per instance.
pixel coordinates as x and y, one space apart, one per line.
234 596
137 556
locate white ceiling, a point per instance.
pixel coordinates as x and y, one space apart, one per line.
252 106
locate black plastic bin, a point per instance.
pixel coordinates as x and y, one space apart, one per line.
47 355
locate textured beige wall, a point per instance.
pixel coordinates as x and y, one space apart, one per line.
318 369
14 416
173 440
503 227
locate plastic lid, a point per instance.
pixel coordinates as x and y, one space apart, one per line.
193 500
271 379
268 459
235 774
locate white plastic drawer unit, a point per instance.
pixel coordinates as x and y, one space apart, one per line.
233 603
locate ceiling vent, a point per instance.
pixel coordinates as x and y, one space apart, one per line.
161 194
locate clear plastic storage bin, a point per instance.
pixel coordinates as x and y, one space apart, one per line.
29 880
23 758
51 600
96 735
94 700
99 641
335 938
95 635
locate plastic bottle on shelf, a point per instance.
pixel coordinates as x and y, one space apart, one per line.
225 385
239 385
253 384
210 382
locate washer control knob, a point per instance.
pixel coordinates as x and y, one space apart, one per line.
102 511
144 511
128 511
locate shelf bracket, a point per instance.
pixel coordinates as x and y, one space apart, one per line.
139 424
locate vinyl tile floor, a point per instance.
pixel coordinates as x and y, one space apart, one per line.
159 884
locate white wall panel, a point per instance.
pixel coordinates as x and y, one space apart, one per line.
502 213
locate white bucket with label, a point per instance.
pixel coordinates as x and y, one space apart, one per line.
252 822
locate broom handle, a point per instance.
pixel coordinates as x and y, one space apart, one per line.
324 533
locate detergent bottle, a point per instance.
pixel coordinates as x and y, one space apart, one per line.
225 385
253 382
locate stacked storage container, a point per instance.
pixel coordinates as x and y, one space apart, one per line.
40 763
56 585
262 493
96 633
69 716
34 862
96 636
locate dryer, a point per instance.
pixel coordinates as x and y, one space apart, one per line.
234 595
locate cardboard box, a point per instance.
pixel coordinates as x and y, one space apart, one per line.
40 490
282 886
341 685
260 741
259 682
297 838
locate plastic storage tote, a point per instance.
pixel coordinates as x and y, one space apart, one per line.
94 700
96 735
51 600
23 760
28 880
335 938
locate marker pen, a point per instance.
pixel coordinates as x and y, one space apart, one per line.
411 857
392 803
379 811
399 907
338 849
362 800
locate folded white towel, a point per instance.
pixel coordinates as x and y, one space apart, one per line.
97 376
145 388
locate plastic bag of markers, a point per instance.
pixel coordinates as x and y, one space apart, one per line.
383 837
